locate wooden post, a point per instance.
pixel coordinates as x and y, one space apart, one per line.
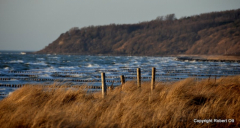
138 77
104 87
209 78
153 78
111 87
215 78
122 79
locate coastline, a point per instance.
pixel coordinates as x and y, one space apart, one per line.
181 56
214 58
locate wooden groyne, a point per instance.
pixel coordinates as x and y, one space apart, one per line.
68 86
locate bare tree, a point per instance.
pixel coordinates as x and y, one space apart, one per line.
170 17
72 30
160 18
167 17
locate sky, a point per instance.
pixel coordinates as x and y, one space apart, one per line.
30 25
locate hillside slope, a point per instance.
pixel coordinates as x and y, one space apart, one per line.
216 33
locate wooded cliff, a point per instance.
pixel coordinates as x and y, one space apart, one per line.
215 33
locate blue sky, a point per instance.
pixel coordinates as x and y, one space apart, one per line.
33 24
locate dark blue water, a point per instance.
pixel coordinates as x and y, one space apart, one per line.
20 68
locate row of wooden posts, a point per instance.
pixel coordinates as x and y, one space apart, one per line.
104 86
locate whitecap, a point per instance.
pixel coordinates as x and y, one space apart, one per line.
51 69
54 57
90 65
40 59
45 76
16 61
78 75
40 63
14 79
67 68
22 53
6 68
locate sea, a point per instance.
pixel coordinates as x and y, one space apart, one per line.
19 68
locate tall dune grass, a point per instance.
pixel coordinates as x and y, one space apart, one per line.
169 105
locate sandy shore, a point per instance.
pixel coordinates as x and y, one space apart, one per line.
212 57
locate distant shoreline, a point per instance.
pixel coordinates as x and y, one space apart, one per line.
195 57
214 58
179 56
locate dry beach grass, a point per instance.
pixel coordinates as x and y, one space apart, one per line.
169 105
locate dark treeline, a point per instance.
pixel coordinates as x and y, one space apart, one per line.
210 33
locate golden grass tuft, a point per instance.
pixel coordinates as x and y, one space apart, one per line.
169 105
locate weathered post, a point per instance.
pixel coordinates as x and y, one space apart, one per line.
104 87
138 77
153 78
209 78
122 80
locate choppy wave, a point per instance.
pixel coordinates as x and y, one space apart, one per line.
89 67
